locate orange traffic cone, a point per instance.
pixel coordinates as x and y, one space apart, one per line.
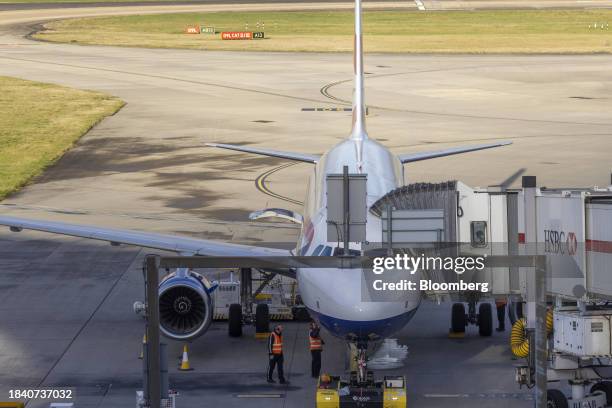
185 361
144 341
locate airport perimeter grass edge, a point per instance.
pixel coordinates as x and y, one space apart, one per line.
39 123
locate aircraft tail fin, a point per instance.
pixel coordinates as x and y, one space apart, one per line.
359 128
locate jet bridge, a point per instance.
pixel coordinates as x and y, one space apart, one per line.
570 227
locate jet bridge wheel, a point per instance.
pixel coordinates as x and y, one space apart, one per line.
458 320
485 319
556 399
606 387
235 320
262 319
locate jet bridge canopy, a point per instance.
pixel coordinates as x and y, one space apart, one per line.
574 230
423 196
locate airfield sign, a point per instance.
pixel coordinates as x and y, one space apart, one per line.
192 29
241 35
236 35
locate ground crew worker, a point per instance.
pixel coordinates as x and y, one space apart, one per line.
275 355
316 347
500 305
325 381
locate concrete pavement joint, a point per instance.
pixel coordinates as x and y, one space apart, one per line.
84 325
235 88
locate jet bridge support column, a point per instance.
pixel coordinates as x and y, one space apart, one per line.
346 208
152 355
246 290
536 295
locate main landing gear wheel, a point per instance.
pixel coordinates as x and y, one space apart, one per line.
485 319
458 320
556 399
235 320
606 387
262 319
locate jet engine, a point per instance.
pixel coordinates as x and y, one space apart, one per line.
185 305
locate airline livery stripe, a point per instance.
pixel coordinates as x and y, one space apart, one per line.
594 245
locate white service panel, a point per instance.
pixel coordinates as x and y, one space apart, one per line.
599 247
560 234
582 336
226 294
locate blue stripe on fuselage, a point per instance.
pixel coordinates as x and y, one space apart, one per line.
364 329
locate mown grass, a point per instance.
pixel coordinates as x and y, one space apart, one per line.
39 123
499 31
80 1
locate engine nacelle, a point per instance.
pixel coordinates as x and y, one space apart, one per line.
185 305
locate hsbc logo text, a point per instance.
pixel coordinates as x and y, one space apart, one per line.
560 242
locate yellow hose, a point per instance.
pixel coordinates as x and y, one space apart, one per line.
518 341
519 344
549 321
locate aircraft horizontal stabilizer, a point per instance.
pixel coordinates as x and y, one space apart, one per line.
303 157
413 157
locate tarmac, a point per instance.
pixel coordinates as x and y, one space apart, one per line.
70 324
66 315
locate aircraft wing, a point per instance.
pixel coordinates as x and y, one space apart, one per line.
181 245
303 157
413 157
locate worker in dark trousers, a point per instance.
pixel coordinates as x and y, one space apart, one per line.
316 347
275 355
500 305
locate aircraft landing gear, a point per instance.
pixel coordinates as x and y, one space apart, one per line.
262 319
362 371
241 314
235 320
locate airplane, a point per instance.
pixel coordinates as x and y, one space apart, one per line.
333 297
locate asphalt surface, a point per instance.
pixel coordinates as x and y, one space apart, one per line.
66 318
68 324
60 5
427 4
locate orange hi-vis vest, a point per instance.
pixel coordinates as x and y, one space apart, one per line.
500 302
315 343
277 344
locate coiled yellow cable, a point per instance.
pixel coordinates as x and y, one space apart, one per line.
519 344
